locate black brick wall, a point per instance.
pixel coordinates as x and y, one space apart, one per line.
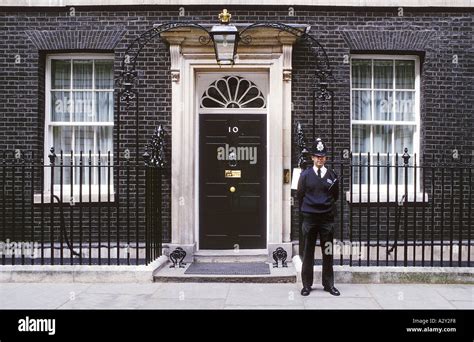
436 35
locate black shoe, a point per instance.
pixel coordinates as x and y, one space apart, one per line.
332 290
305 291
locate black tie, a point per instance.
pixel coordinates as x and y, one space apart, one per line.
319 172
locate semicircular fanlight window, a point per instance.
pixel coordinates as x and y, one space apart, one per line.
233 92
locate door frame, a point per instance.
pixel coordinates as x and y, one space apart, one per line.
208 76
184 197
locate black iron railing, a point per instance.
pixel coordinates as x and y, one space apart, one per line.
79 211
395 210
399 209
82 208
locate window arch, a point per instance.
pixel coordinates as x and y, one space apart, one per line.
233 92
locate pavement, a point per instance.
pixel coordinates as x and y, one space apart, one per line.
232 296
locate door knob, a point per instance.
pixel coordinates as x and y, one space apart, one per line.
232 189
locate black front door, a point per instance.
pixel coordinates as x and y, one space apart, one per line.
232 187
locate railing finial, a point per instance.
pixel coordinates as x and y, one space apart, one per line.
405 156
52 156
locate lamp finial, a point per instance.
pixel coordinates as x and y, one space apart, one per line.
224 17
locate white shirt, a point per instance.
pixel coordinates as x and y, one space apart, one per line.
323 171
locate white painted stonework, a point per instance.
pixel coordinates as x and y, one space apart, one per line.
268 55
355 3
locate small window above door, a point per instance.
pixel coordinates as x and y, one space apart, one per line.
233 92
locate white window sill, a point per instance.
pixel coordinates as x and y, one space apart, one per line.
75 199
364 197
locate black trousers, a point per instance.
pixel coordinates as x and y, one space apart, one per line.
314 224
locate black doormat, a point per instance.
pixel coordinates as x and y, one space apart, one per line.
228 268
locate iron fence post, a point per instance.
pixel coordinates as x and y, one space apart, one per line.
406 158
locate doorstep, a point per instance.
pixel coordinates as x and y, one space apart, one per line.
167 274
243 255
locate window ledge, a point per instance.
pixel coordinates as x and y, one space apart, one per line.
364 197
75 199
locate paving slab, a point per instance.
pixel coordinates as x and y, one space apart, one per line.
463 304
192 290
237 296
264 294
341 303
170 304
105 301
40 295
403 296
127 288
456 292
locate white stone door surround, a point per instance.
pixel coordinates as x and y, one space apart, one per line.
270 53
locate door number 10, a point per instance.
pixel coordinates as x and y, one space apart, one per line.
233 129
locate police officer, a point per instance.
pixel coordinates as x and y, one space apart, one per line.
318 189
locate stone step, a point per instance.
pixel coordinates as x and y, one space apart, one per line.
176 275
231 256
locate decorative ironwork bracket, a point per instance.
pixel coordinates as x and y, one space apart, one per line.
154 155
323 67
303 159
128 74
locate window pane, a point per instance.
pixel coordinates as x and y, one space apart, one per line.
82 107
84 141
84 174
361 73
361 105
82 74
382 139
62 175
62 139
104 103
383 105
379 174
60 74
360 138
106 171
404 138
401 173
104 140
405 74
383 74
104 76
359 170
405 106
60 106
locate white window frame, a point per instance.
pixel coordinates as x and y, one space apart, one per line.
413 194
48 136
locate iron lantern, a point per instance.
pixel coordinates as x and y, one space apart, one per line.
225 38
